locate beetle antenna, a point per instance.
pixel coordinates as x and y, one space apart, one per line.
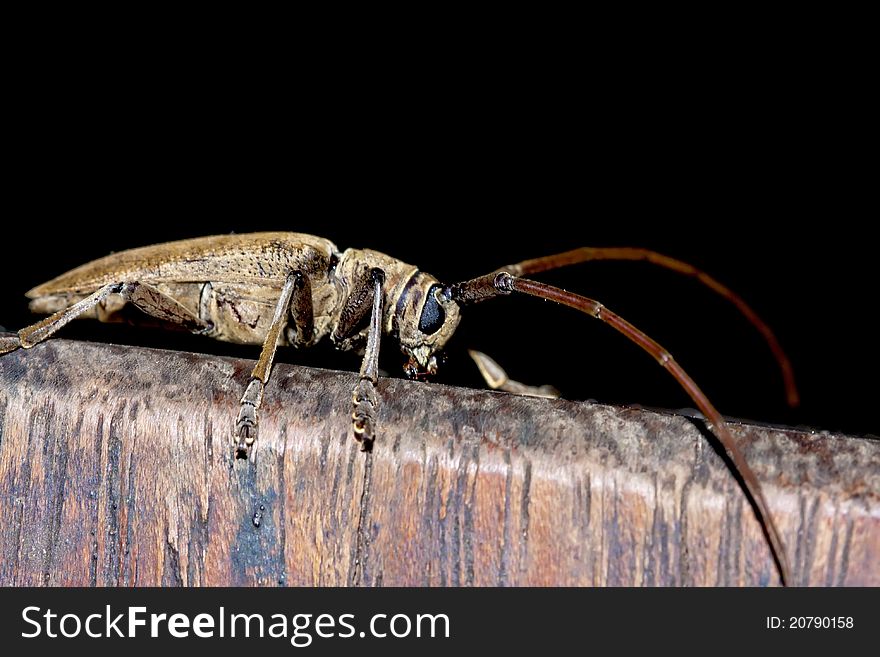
503 283
588 254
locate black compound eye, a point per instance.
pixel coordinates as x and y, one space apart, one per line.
433 314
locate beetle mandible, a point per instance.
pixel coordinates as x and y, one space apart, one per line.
278 288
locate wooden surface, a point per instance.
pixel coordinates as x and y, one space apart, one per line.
116 469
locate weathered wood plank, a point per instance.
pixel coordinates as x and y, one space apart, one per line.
116 469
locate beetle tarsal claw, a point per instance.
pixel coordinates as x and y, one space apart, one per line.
245 430
9 343
364 401
246 424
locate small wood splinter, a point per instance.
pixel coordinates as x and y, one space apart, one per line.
497 379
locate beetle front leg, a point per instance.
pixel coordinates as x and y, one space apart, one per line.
365 399
246 424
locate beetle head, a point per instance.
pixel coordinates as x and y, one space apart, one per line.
424 319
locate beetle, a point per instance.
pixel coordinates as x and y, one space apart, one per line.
277 288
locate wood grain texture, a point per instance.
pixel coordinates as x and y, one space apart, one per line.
116 469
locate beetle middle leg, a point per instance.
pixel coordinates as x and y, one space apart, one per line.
295 287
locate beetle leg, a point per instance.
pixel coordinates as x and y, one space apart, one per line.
302 311
364 398
246 424
157 304
9 343
141 295
356 309
497 379
36 333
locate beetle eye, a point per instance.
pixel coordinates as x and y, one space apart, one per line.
433 314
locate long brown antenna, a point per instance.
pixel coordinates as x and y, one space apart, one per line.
493 285
587 253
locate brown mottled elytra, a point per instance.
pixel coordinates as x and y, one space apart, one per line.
289 288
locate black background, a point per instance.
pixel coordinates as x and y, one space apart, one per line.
753 179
